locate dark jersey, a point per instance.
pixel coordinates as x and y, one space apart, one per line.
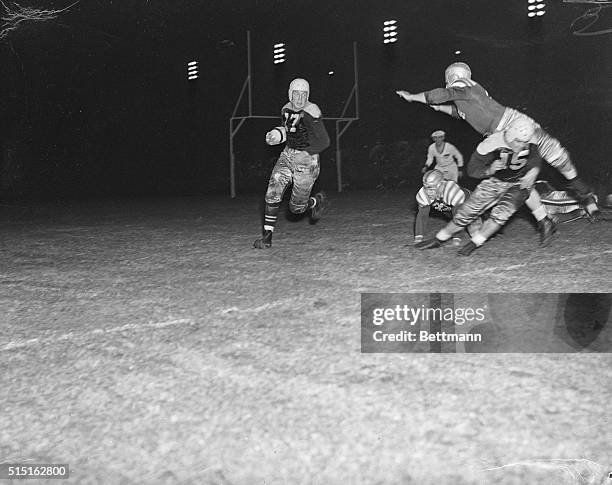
516 164
305 129
471 102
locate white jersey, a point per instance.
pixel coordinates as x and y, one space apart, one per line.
449 156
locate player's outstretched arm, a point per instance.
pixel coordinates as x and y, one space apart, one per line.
418 98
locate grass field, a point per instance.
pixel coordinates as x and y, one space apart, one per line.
145 341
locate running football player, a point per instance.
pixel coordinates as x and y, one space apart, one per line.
305 136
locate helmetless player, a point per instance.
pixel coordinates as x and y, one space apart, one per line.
447 158
511 164
471 102
442 195
305 135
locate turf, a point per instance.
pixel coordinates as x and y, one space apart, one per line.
146 341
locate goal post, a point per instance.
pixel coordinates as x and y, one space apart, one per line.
342 123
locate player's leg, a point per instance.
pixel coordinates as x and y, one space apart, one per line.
546 226
279 180
507 205
557 156
451 172
484 196
305 175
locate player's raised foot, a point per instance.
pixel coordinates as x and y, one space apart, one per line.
321 204
547 229
592 209
467 249
264 242
429 244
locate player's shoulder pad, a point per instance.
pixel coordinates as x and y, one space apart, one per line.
313 110
491 143
422 198
286 107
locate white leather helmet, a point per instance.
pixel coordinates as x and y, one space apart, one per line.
457 70
299 84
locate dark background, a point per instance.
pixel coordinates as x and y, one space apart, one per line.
96 102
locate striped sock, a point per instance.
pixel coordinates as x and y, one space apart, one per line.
270 216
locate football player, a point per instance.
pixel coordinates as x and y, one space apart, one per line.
471 102
511 164
304 133
448 159
442 195
560 206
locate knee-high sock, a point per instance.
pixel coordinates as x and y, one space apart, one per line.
270 216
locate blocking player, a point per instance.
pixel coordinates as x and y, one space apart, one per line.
471 102
511 164
305 135
448 159
442 195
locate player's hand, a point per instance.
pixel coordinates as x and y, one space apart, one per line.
405 95
459 174
529 178
424 169
496 166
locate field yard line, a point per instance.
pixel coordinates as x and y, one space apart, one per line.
514 266
97 331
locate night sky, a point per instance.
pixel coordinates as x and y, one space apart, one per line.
96 102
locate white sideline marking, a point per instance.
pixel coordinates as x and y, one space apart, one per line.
503 269
96 331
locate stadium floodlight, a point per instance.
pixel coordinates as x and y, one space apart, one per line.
279 53
535 8
390 30
192 70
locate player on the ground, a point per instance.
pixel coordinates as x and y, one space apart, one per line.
471 102
512 164
446 156
442 195
560 205
305 134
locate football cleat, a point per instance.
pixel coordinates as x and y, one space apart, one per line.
317 211
547 229
264 242
591 208
467 249
429 244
